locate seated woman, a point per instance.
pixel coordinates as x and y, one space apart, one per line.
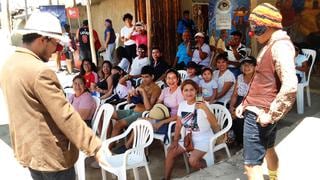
124 61
171 97
88 71
82 101
104 86
225 79
197 118
301 62
241 88
121 86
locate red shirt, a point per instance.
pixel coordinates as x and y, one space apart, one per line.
91 77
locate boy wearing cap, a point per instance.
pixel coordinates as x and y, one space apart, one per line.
272 91
46 132
201 54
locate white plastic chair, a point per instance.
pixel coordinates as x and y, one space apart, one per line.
133 157
161 137
222 115
305 84
161 84
183 74
248 51
107 111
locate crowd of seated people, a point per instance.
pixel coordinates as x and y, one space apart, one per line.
223 81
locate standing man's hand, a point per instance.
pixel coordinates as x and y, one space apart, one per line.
239 111
264 119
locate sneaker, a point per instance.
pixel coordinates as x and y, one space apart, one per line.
95 165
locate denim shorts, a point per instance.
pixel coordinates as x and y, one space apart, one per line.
129 115
256 139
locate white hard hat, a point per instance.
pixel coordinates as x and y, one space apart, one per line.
45 24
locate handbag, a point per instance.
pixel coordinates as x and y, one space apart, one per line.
187 142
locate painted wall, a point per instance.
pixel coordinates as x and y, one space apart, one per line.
112 9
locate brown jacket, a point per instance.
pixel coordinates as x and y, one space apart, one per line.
41 121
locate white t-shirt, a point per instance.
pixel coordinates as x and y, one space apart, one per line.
122 91
195 79
207 87
298 62
187 114
125 32
124 64
227 76
243 87
138 64
196 57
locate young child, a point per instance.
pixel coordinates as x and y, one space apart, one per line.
192 72
240 91
208 85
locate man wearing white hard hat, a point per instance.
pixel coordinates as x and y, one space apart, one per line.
46 132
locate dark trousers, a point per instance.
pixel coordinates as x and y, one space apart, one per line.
131 51
237 124
68 174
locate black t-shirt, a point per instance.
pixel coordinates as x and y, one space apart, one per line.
160 68
84 40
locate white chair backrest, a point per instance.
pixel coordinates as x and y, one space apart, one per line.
248 51
68 91
308 53
160 84
223 115
106 110
98 101
183 74
143 135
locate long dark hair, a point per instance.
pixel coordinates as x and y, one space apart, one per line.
116 77
93 67
101 71
122 53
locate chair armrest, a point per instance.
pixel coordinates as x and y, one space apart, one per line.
121 104
170 126
145 114
129 106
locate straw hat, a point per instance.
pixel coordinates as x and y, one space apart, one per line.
159 112
45 24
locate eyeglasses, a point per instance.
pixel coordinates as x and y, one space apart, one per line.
141 50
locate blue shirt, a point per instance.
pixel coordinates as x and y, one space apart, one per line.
182 54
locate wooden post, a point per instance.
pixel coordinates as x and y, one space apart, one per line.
254 43
93 51
149 26
5 20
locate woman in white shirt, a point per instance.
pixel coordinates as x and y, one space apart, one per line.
124 61
225 79
197 118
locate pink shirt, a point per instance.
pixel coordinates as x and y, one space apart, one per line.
171 100
140 39
84 101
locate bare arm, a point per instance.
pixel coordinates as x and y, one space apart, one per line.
225 89
304 67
